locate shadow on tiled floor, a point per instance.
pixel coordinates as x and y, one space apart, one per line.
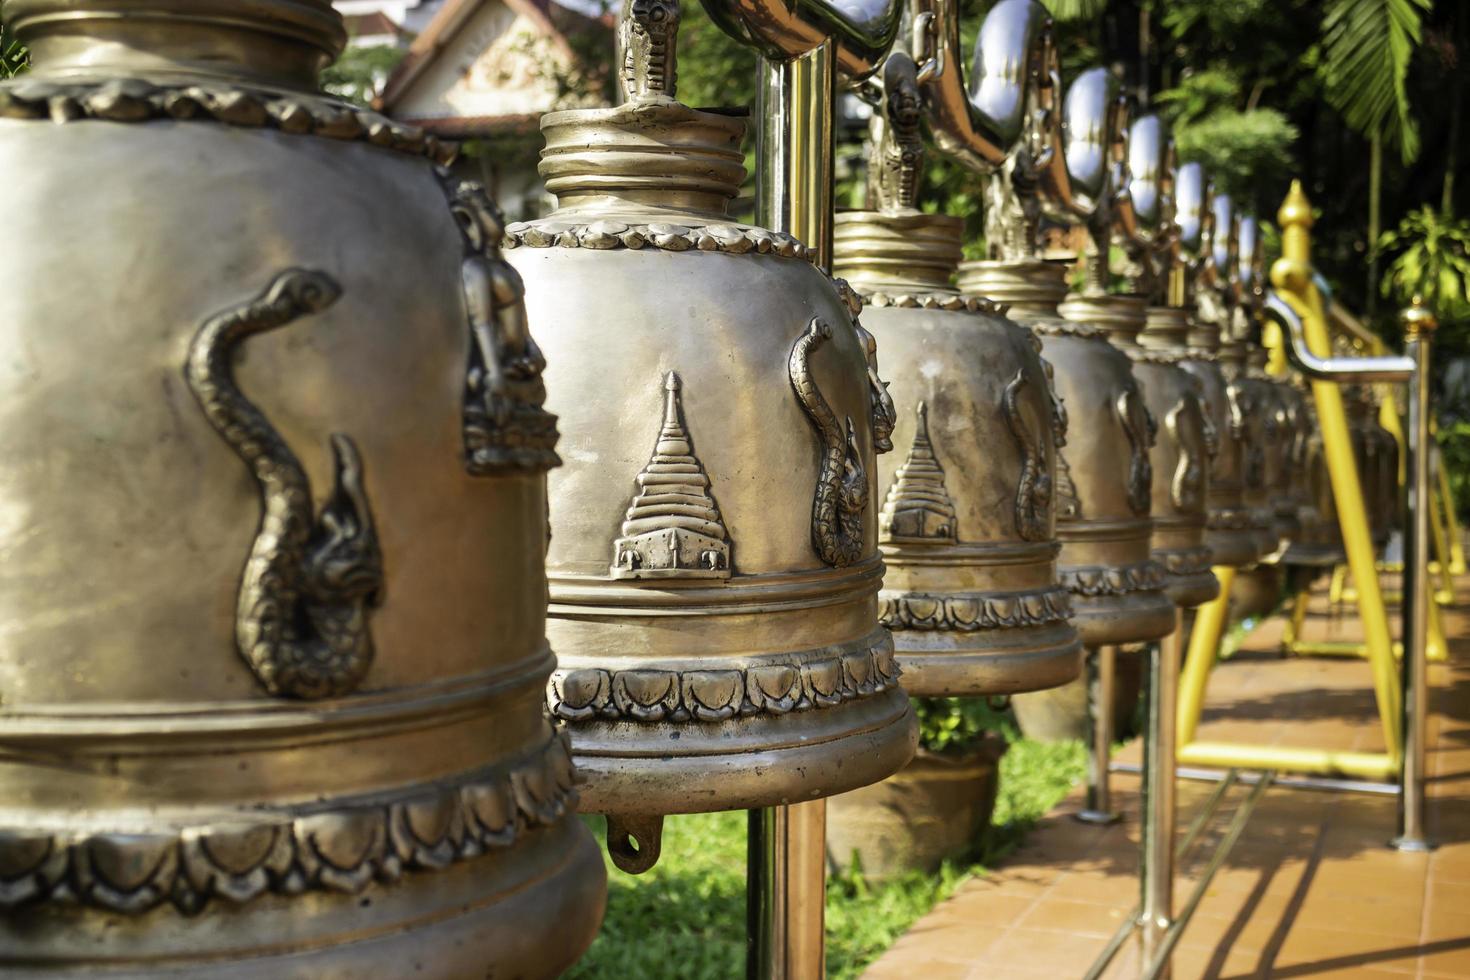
1311 890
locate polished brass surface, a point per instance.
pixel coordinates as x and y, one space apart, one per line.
1236 532
1103 481
1181 456
1104 475
275 655
967 525
979 123
714 565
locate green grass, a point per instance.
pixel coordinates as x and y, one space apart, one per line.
685 919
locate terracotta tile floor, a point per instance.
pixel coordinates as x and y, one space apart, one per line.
1311 890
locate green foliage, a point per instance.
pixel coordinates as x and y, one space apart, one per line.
1073 10
1431 260
1454 443
1218 17
686 917
358 75
13 56
1366 48
955 724
1237 146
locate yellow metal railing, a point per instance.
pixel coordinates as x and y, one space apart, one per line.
1292 278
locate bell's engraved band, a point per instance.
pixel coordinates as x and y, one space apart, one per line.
1232 519
140 100
608 234
650 695
972 613
1098 581
1186 561
1066 328
959 302
341 848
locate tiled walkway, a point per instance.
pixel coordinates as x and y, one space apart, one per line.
1311 890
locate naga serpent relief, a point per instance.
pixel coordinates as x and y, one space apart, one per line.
1034 494
1186 422
505 428
1141 429
1253 457
842 484
301 619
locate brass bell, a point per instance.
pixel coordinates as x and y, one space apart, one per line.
967 525
714 566
275 462
1186 434
1250 401
1234 531
1104 472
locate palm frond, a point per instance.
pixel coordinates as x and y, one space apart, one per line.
1366 48
1066 10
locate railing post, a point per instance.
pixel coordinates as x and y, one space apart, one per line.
1102 682
786 861
1157 874
1419 325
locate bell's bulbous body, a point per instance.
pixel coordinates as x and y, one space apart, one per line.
1234 531
714 563
967 519
1187 441
1104 472
274 653
1254 413
1320 542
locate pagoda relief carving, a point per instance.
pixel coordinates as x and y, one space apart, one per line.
918 508
673 528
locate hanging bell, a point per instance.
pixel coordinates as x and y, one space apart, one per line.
270 710
1104 472
1174 398
714 565
1251 402
967 525
1235 533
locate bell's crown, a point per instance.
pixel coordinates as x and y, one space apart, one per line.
281 43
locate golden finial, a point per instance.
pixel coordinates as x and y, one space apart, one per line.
1417 319
1296 209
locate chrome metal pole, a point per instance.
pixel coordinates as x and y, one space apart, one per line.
786 877
1157 873
786 892
1102 680
1419 325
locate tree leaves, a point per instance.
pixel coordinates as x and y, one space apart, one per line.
1070 10
13 56
1366 48
1432 262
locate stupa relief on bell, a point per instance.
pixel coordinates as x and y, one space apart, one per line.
1104 471
1234 532
274 658
967 522
714 566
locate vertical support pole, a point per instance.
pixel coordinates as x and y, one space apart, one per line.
1102 682
1160 742
1204 647
1452 520
1300 598
786 876
1445 592
1419 327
